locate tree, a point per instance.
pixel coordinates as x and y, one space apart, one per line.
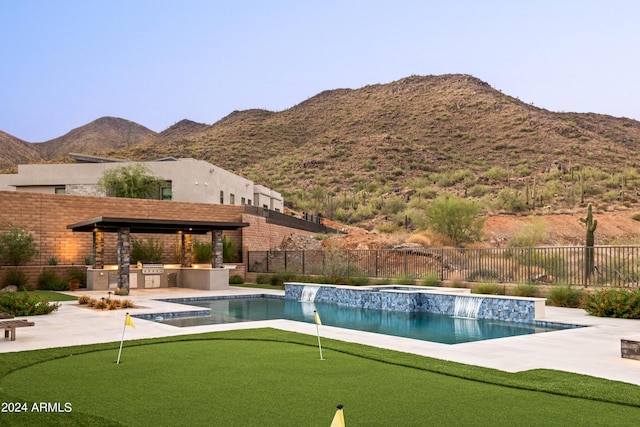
17 246
455 218
131 181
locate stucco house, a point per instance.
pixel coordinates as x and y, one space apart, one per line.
188 180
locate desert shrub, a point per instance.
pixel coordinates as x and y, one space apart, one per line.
113 304
84 299
455 218
489 289
52 260
101 304
430 280
236 280
127 303
25 304
201 252
49 280
530 235
524 290
564 296
636 216
146 250
484 274
387 228
15 277
553 262
613 302
510 200
496 173
479 190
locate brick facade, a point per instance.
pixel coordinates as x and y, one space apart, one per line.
46 217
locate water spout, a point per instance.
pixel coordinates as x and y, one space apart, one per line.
467 307
309 293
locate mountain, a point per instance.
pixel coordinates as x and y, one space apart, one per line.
393 133
15 151
353 153
102 135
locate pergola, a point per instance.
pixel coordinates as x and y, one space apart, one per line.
125 226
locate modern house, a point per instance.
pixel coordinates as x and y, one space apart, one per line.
188 180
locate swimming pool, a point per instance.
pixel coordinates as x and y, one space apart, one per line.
417 325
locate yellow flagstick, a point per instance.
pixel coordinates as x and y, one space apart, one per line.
316 317
127 322
338 418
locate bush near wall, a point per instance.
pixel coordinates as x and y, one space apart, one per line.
613 302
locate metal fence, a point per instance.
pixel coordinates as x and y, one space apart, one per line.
613 265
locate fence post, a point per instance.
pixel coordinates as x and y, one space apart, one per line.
303 271
529 278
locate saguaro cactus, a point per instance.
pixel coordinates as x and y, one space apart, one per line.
591 225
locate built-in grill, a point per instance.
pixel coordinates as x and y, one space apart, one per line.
152 271
152 267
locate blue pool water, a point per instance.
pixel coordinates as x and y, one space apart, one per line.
422 326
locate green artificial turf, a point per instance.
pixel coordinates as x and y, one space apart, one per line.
53 296
266 377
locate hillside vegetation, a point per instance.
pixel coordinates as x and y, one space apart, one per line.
377 155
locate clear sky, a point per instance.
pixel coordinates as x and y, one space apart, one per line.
156 62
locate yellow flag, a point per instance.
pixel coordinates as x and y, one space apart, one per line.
316 317
128 321
338 418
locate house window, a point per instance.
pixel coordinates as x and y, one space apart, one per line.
243 201
221 197
167 194
265 206
277 210
60 190
249 202
232 199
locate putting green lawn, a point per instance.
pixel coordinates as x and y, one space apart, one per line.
267 377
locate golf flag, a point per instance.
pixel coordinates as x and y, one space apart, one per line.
338 418
128 321
316 318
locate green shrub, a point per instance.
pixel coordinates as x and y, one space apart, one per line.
201 252
511 201
489 289
455 218
228 250
79 275
146 250
524 290
17 246
16 278
358 280
564 296
404 279
613 302
236 280
280 277
49 280
430 280
25 304
263 279
52 260
484 274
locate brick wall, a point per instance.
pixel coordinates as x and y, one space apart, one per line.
46 217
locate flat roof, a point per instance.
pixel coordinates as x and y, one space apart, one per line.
156 226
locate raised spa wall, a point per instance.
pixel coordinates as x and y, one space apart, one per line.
421 299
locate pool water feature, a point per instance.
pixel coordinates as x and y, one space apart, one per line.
417 325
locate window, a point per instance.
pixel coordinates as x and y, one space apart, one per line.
60 190
243 201
166 193
265 206
232 199
221 197
249 202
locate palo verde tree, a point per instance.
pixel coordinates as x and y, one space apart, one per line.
131 181
455 218
17 246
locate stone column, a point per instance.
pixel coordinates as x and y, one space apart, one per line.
216 245
187 257
124 259
98 249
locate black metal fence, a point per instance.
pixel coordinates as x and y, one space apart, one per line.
613 265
